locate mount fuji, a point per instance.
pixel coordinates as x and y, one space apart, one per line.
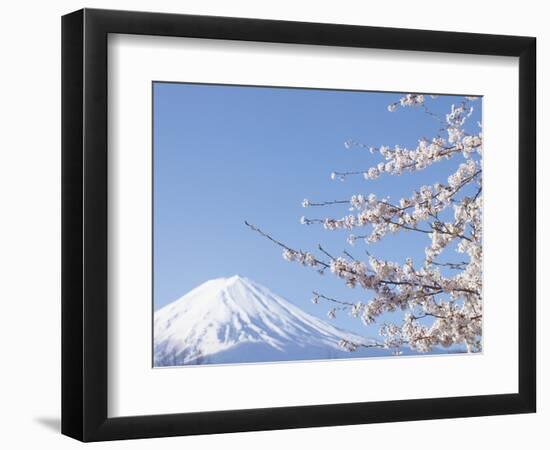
235 320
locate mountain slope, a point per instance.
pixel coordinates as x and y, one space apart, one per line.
234 320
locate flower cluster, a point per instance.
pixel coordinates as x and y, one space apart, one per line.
407 100
398 160
305 258
427 202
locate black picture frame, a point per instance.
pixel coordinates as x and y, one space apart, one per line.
84 224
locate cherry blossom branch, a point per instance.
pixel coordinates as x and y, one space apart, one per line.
457 266
350 270
453 304
330 299
280 244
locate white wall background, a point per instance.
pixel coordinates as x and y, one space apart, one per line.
30 221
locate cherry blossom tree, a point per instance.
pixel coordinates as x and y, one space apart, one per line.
440 299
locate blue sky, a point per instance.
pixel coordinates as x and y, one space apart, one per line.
225 154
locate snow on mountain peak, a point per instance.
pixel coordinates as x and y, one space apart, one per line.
235 320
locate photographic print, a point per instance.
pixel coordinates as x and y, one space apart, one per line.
298 224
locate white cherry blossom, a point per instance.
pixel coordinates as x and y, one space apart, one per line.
439 308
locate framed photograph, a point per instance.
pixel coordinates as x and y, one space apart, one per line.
273 224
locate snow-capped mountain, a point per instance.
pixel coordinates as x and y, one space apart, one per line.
235 320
